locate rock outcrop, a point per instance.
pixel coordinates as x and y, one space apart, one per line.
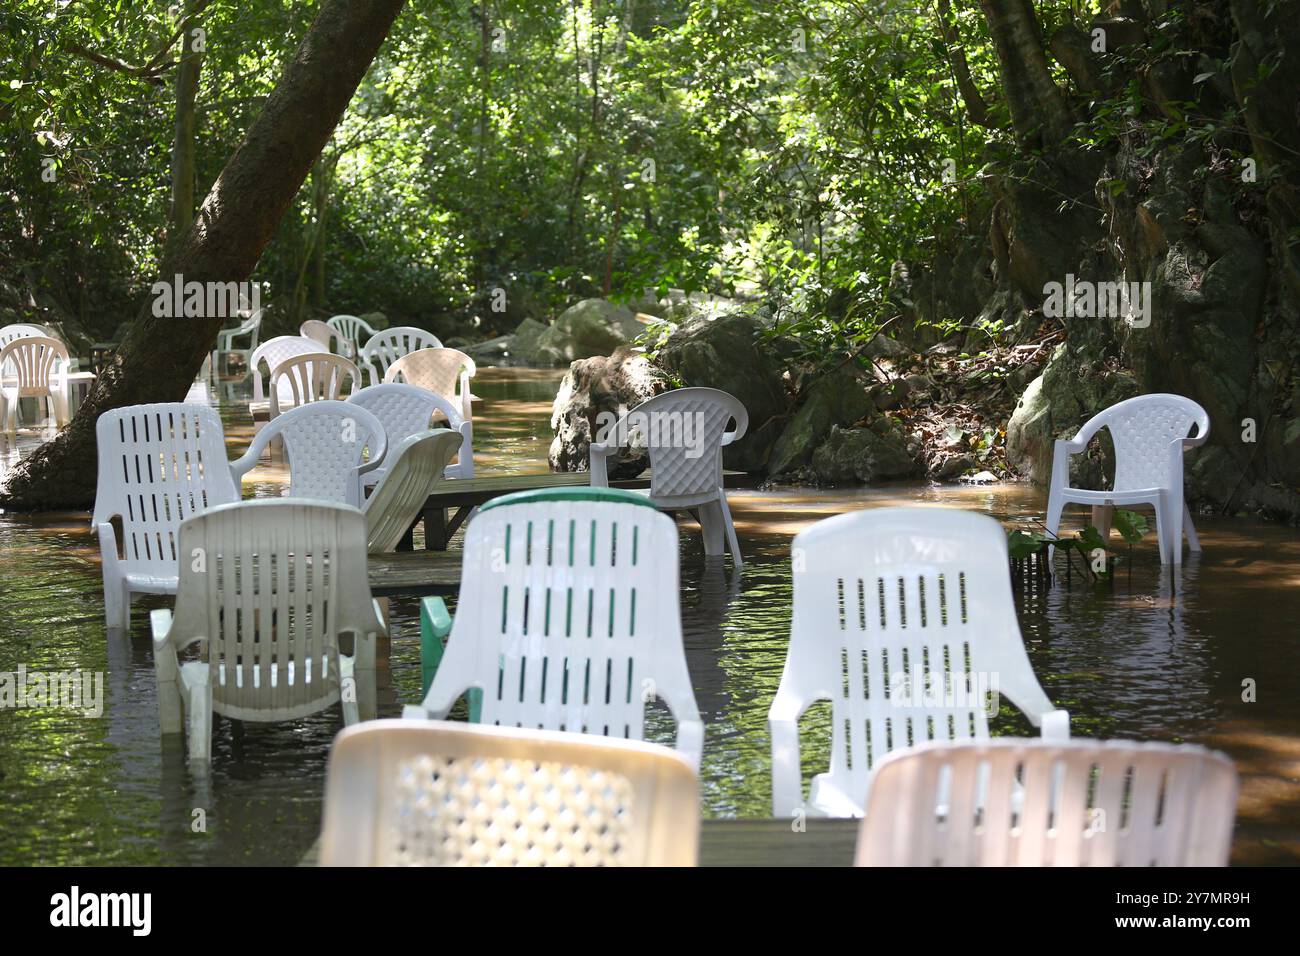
607 385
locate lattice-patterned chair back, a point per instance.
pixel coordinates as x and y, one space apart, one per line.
422 793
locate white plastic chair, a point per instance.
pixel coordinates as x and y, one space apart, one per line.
384 348
1149 433
417 465
314 377
325 444
353 331
684 432
23 331
406 410
34 367
1012 802
158 465
568 618
421 793
328 336
443 371
271 353
268 588
903 619
226 342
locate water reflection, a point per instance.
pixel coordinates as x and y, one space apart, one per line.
1160 654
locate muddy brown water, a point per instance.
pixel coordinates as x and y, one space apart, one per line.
1163 656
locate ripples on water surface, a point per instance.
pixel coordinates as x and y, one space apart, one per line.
1160 658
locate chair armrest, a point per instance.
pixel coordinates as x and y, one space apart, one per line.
435 625
160 625
787 773
690 741
1055 725
598 452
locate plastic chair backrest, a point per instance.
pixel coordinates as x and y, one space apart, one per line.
684 431
322 332
326 443
903 618
21 331
568 616
1011 802
416 466
1142 429
158 465
437 370
274 351
314 377
407 410
384 348
353 330
271 586
32 361
430 793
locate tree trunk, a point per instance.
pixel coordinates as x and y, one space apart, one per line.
187 88
160 356
1038 110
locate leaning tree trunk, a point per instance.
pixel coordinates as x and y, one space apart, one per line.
1038 109
183 147
159 357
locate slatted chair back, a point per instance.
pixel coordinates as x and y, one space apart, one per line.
568 617
1010 802
314 377
279 583
384 348
158 465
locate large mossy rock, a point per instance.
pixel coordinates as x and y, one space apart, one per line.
589 328
835 399
880 452
609 384
1053 406
724 352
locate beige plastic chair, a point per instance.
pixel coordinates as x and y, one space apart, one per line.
326 335
430 793
1013 802
443 371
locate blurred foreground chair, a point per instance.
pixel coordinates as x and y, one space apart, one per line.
1010 802
422 793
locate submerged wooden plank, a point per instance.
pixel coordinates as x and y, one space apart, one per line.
475 491
769 842
414 573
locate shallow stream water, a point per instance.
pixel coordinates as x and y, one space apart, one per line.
1161 655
